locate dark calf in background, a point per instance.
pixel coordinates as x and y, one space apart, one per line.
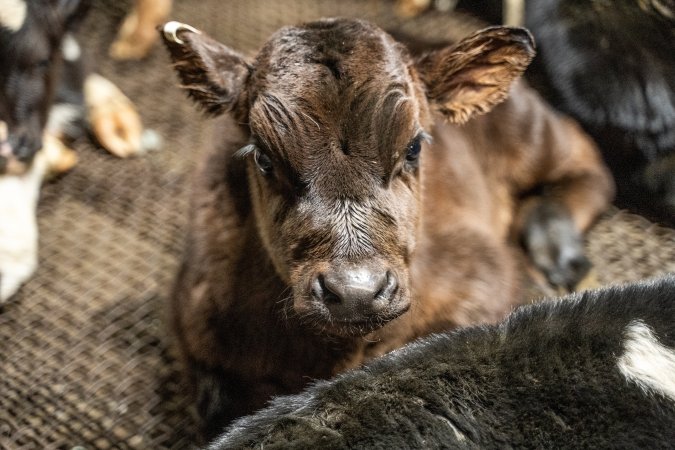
610 65
340 216
591 370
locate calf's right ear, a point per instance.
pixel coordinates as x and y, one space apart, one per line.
213 75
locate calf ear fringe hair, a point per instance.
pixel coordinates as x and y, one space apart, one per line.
171 29
212 74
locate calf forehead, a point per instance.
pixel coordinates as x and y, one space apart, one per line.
348 48
12 14
331 88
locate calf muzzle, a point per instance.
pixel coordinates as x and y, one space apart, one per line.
355 292
17 149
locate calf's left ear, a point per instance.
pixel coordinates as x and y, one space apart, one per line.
474 75
214 75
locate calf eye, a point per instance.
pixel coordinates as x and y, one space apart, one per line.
263 162
414 149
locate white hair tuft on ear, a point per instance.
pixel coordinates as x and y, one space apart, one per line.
171 28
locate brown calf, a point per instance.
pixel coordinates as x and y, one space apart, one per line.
341 216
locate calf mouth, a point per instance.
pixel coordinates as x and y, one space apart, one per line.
363 327
317 316
12 166
10 163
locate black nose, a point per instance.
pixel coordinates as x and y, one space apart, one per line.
25 147
355 293
571 268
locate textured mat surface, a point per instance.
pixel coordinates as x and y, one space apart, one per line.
83 348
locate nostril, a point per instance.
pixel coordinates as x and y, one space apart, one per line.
25 148
389 287
322 293
385 295
580 264
331 298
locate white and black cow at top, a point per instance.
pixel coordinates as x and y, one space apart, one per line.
590 370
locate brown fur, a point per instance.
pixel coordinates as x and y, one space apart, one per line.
335 117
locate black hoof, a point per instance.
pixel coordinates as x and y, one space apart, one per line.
555 245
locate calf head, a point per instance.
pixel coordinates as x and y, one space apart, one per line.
338 114
30 38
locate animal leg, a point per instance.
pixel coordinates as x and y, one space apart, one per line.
222 397
411 8
58 157
562 184
112 117
574 192
137 34
554 244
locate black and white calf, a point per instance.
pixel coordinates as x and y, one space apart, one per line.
591 370
44 91
35 51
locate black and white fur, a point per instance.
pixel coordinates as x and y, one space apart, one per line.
590 370
41 76
41 92
19 196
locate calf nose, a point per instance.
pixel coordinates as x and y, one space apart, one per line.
25 147
354 293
